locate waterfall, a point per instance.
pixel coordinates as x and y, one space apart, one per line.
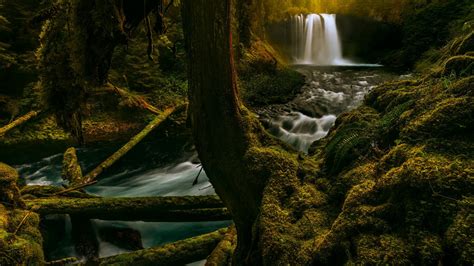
315 40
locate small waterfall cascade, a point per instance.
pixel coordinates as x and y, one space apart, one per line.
315 40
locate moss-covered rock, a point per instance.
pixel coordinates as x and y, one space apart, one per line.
9 192
20 239
265 78
450 117
405 197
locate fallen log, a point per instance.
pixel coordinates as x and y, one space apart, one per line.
178 253
17 122
136 100
33 192
169 209
127 147
222 254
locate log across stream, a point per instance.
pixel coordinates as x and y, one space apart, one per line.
170 167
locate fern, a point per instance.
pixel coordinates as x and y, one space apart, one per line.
390 119
347 145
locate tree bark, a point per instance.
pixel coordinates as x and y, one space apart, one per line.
226 136
257 178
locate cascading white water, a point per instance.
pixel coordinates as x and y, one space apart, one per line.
315 40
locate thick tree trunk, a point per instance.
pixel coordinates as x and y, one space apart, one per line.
257 179
221 125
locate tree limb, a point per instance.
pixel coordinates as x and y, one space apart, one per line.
18 122
202 208
127 147
178 253
222 254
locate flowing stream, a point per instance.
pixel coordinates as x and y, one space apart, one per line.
328 92
150 169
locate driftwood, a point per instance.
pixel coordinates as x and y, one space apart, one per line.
222 254
178 253
169 209
90 177
17 122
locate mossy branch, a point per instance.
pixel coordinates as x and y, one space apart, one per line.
18 122
222 254
127 147
202 208
178 253
136 100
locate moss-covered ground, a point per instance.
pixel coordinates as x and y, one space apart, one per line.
392 183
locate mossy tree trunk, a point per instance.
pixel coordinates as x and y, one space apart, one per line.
238 156
216 112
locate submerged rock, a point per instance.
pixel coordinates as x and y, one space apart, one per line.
125 238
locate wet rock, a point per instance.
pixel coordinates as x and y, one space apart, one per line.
125 238
84 237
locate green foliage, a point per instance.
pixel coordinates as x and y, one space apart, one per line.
432 26
264 77
352 138
269 88
164 80
17 62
